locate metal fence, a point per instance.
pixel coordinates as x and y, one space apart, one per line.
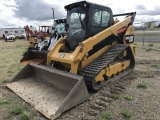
148 35
147 31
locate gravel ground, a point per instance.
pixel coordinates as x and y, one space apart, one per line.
145 103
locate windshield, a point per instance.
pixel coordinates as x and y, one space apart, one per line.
9 34
60 27
77 26
77 18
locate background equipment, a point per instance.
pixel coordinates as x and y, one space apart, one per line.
39 51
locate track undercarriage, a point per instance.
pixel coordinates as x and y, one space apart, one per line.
113 64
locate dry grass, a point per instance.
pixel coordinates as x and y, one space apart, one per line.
11 53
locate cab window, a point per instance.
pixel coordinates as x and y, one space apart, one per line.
100 21
100 18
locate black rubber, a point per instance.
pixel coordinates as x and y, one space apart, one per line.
91 71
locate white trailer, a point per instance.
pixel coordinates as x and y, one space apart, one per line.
14 31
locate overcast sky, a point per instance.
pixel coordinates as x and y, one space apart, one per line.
15 13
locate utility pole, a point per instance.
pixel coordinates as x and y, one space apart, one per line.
143 32
53 21
53 14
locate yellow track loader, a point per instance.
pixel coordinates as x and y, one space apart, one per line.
96 49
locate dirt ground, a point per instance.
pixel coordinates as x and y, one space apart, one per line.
143 104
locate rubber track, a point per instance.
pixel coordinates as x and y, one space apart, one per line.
91 71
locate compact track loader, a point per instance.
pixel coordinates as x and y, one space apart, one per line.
38 52
95 50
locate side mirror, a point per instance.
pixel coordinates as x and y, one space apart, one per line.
66 27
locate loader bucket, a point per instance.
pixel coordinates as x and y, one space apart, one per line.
33 56
49 90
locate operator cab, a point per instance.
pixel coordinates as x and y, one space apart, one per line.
59 27
85 19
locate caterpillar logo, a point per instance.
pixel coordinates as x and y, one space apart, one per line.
129 39
62 55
